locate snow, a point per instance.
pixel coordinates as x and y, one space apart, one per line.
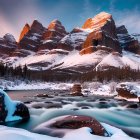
52 58
74 59
75 38
98 21
129 100
127 59
7 133
47 41
10 106
33 38
39 85
10 38
133 88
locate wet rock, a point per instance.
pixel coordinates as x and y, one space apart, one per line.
3 111
85 107
54 105
77 90
102 99
80 104
74 109
128 90
133 106
42 95
103 102
58 126
22 111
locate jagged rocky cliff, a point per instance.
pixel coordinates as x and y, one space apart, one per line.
98 44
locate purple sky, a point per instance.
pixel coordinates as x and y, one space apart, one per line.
72 13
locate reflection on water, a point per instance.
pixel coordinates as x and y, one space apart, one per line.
111 111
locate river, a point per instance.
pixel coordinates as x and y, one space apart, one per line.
119 113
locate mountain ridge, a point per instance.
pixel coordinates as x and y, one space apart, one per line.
52 47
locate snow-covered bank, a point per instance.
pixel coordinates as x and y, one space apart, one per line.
21 85
7 133
88 88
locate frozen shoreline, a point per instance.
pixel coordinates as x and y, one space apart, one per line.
8 133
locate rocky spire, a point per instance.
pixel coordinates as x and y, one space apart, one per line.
24 31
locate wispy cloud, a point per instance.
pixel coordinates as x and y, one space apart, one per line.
5 26
88 11
129 18
13 19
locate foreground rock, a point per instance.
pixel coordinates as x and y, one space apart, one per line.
12 110
128 91
59 126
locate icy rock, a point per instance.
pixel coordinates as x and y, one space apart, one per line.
128 90
11 110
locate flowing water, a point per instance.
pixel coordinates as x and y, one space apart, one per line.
119 113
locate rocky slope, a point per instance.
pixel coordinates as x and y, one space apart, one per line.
128 42
103 32
98 44
7 45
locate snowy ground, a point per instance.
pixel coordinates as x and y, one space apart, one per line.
62 61
88 88
7 133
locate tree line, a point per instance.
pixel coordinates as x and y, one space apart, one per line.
110 74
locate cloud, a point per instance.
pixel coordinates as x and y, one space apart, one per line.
14 17
131 20
6 27
88 11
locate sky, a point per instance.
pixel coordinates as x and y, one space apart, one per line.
72 13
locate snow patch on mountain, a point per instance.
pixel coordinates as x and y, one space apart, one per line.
118 61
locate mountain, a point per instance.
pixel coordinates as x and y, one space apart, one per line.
103 32
7 45
128 42
98 44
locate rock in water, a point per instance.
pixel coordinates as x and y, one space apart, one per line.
22 111
77 90
128 91
12 110
3 111
58 127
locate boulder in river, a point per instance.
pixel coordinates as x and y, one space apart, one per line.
128 91
59 126
12 110
77 90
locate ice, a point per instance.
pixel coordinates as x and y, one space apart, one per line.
10 106
133 88
7 133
